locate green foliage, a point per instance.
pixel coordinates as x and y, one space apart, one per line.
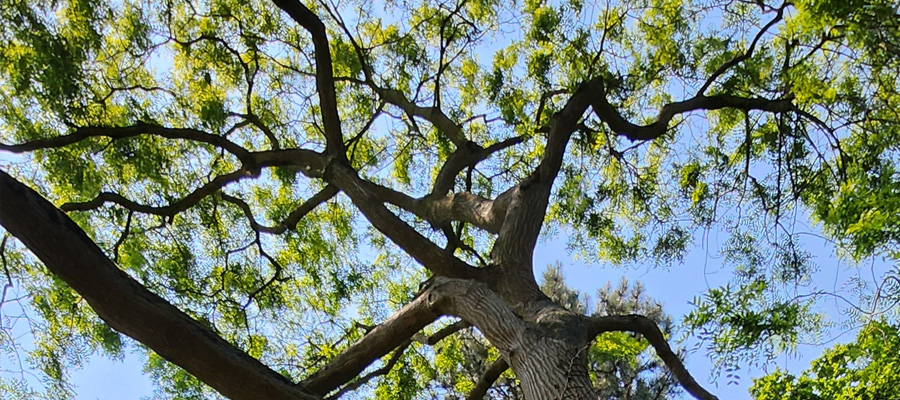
242 70
866 369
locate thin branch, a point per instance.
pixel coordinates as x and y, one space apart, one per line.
779 14
255 121
167 211
544 98
487 379
276 277
289 222
434 115
8 285
444 332
140 128
125 231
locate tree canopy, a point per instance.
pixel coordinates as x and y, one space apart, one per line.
301 199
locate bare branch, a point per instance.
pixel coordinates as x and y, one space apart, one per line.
650 331
129 307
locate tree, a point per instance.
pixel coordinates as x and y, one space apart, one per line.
865 369
253 190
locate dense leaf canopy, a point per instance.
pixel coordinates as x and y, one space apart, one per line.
287 173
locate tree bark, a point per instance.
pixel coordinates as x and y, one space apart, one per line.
548 355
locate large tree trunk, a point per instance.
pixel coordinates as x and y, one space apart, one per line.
548 352
551 368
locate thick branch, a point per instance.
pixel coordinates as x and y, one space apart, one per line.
397 353
393 332
438 211
384 370
649 329
528 200
611 116
533 353
129 307
466 156
487 379
324 74
308 162
480 306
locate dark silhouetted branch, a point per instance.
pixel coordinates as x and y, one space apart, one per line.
487 379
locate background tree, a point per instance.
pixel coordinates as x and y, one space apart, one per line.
255 190
864 369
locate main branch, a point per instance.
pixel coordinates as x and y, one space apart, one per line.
129 307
